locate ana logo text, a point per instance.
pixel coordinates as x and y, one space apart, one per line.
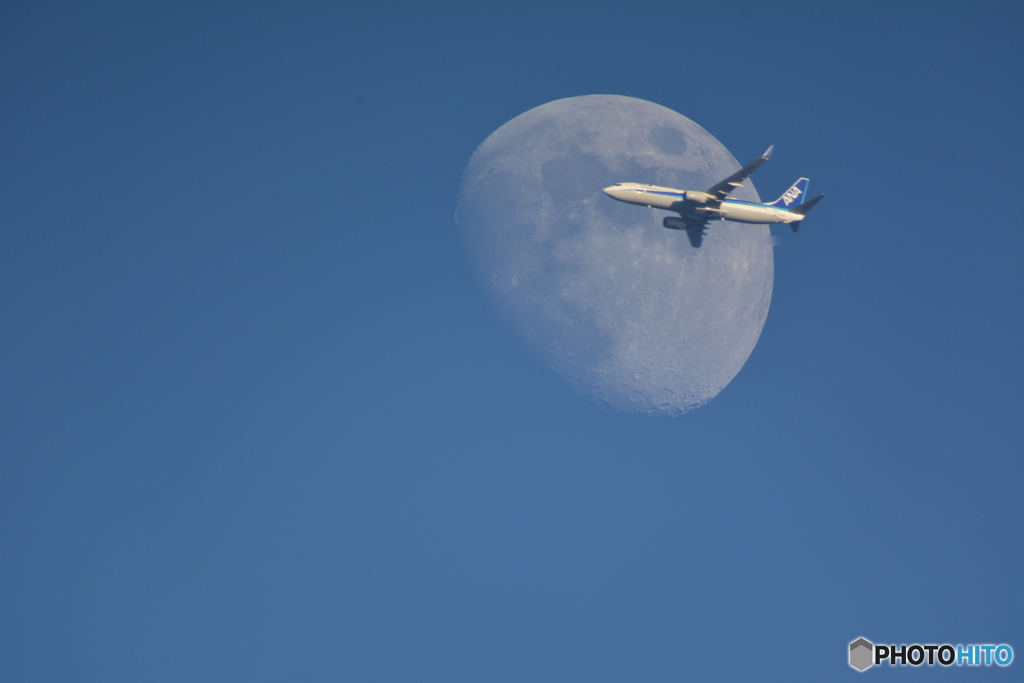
791 194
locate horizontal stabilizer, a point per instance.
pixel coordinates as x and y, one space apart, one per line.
795 225
807 206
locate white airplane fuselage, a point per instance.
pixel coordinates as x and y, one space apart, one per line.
672 199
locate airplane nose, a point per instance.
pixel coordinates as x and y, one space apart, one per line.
616 192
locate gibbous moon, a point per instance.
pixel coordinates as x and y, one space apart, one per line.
625 310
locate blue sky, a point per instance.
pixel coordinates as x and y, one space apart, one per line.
258 421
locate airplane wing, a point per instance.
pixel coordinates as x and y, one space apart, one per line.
696 233
729 185
694 227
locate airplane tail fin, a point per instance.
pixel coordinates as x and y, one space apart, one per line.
793 197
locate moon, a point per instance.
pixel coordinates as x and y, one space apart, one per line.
625 310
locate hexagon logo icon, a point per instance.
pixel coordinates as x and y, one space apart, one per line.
861 654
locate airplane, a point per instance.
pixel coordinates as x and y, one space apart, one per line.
697 208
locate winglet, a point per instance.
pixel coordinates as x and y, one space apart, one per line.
768 152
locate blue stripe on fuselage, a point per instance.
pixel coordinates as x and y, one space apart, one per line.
676 195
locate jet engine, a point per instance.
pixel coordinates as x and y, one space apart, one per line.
673 223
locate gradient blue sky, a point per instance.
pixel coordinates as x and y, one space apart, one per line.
258 422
